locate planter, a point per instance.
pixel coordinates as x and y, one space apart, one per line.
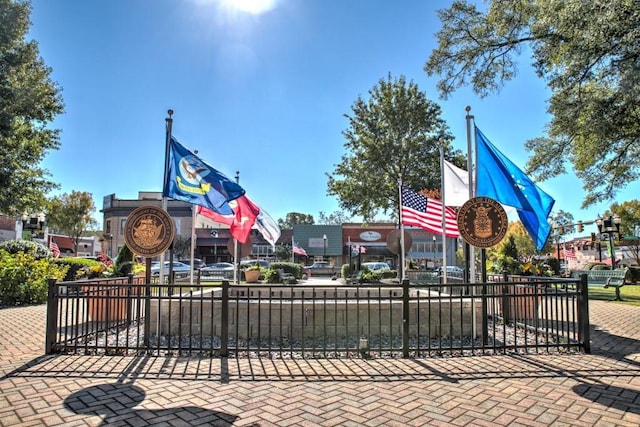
251 276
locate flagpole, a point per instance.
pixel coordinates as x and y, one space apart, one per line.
165 203
444 235
471 152
193 237
236 275
402 266
470 165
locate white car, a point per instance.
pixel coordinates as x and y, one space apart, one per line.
377 266
218 266
177 267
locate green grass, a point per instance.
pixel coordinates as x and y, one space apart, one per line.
630 294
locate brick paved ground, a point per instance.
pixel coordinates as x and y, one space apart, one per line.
602 388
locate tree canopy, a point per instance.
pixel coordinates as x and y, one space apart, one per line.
29 100
589 55
71 215
335 218
393 135
294 218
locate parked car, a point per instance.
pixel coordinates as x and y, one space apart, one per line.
218 266
452 270
319 264
177 267
197 263
377 266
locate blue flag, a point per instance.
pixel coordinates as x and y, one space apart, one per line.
500 179
191 180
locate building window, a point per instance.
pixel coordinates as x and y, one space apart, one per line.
123 221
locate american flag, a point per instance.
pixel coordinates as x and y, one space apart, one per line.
298 250
54 248
359 249
426 213
568 253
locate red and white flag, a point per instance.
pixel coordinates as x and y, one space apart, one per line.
246 215
54 248
298 250
359 249
420 211
568 253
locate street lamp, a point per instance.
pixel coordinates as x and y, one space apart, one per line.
608 227
32 222
324 254
109 237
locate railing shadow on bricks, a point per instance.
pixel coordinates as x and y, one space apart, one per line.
505 315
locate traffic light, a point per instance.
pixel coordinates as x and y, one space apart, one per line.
580 227
593 237
561 230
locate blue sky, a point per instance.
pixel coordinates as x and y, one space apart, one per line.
260 93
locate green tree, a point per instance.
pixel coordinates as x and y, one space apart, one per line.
393 135
294 218
562 223
587 52
629 213
182 247
514 251
71 214
29 100
335 218
124 262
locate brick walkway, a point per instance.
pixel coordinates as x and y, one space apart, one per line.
602 388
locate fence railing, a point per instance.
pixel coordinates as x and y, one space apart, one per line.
516 314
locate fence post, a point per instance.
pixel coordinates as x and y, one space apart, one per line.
506 306
405 318
147 312
129 293
584 334
224 320
52 316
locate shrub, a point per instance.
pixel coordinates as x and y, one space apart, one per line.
80 268
23 278
124 262
287 267
345 271
32 248
369 276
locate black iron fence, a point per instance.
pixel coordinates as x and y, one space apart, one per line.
514 314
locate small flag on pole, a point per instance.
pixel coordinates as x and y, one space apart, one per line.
298 250
359 249
54 248
568 253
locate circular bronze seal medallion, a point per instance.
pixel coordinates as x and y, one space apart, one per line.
482 222
149 231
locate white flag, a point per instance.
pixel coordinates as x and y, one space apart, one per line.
456 185
267 227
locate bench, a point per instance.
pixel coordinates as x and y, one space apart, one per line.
286 278
609 278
